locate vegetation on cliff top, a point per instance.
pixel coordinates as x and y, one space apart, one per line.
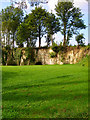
19 29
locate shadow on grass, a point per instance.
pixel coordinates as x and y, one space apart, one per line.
42 85
7 75
35 110
37 96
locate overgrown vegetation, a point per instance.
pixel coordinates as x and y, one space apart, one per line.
19 29
13 56
84 61
53 55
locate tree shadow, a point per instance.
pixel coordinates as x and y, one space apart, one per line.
21 86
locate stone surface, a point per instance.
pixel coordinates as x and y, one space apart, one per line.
70 57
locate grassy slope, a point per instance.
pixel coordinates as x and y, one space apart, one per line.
45 91
84 61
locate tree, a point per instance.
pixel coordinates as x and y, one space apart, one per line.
52 26
79 39
48 39
36 21
24 34
11 19
21 34
70 20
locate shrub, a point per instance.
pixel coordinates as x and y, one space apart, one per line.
55 47
53 54
4 56
11 61
18 54
30 55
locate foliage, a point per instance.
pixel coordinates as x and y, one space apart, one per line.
18 55
7 56
13 57
84 61
36 22
48 39
58 49
55 47
29 53
53 54
39 23
70 20
25 35
63 57
11 19
11 61
4 56
52 26
79 39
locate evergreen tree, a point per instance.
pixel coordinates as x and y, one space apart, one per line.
11 19
79 39
36 22
70 20
52 26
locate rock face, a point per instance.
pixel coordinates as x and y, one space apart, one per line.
71 56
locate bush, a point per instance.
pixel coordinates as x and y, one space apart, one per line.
11 61
18 54
30 55
53 54
8 48
4 56
55 47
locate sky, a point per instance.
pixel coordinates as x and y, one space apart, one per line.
82 4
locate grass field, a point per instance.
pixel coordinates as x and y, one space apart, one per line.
47 91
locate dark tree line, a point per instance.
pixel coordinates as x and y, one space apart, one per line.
19 29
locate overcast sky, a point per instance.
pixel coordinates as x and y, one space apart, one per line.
82 4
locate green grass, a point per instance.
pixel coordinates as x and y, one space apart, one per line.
85 61
48 91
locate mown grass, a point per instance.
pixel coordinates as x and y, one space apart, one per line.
47 91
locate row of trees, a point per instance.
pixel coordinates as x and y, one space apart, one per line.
29 28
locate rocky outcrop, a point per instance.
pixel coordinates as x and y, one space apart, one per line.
71 56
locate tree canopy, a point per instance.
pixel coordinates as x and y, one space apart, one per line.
11 19
70 20
34 26
79 39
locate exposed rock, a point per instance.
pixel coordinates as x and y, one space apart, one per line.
71 56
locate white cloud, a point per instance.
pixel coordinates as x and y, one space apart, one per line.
77 3
28 5
80 3
51 5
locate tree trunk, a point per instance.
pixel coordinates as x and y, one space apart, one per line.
13 40
39 36
78 46
51 39
27 43
6 40
64 42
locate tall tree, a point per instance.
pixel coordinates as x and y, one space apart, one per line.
79 39
25 35
36 20
11 19
70 20
52 26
